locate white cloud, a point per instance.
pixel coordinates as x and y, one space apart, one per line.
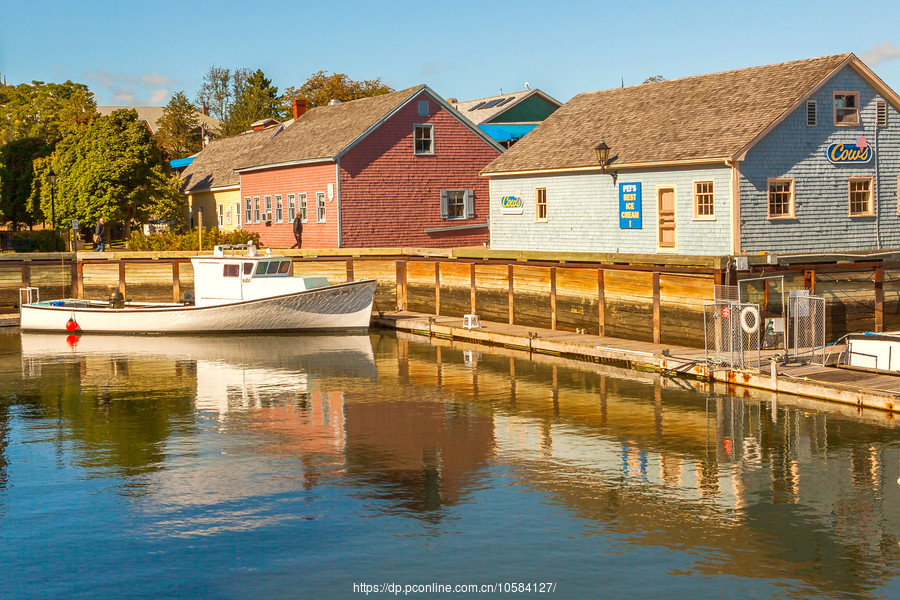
880 53
160 97
128 89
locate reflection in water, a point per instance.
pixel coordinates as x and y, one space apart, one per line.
391 441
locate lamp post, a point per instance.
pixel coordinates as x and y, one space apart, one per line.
604 160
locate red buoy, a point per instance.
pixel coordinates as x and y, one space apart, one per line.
71 325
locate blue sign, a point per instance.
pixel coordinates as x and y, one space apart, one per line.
629 206
860 152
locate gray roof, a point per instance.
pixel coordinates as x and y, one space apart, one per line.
152 114
496 105
694 119
215 164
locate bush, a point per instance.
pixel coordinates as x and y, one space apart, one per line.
188 241
35 241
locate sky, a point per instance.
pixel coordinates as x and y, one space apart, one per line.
139 53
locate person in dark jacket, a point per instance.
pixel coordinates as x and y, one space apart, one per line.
100 236
298 230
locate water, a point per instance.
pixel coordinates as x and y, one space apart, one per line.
310 466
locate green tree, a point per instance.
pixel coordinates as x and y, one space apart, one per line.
654 78
322 87
33 118
112 168
258 100
178 128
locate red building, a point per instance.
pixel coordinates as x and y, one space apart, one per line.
399 169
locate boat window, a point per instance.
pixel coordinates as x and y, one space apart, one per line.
261 268
284 266
230 270
248 268
273 267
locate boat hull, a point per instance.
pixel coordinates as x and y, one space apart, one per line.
345 306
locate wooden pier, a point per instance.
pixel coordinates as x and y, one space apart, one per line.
833 384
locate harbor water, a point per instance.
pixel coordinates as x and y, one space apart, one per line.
385 465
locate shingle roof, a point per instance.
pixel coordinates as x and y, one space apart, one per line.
681 120
325 131
214 165
152 114
475 110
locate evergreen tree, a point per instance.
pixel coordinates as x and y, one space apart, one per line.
258 100
178 129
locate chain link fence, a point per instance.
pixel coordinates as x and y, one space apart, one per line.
733 334
806 330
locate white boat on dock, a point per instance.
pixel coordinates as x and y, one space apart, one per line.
235 290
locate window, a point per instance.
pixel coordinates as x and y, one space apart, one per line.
811 113
237 214
457 204
221 214
846 108
861 204
320 207
704 200
230 270
540 204
881 113
267 217
279 214
256 209
292 208
424 139
781 198
423 108
301 201
284 266
248 215
248 268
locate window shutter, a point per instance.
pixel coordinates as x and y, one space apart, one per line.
444 201
470 204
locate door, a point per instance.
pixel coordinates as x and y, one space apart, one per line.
666 217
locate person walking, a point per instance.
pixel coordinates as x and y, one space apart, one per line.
100 236
298 231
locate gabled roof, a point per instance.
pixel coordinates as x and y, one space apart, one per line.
326 132
214 165
693 120
152 114
483 110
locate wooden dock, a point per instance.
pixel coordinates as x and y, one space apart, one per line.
833 384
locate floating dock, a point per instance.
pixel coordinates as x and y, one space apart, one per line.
834 384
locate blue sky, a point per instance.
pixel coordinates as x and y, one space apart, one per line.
139 53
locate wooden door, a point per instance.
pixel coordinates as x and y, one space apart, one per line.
666 218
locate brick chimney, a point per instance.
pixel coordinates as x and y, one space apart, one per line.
299 105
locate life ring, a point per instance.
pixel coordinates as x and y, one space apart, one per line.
752 328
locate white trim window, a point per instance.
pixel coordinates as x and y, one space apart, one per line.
301 202
237 214
781 198
320 207
457 204
256 209
279 211
267 216
248 210
221 214
540 205
424 138
860 196
704 201
292 208
846 109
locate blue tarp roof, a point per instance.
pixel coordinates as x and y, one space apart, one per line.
181 162
505 132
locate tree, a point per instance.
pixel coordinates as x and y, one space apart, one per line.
258 100
33 118
654 78
178 134
321 87
216 92
112 168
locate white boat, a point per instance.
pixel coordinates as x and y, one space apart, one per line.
874 351
235 289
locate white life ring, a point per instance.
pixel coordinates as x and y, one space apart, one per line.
753 327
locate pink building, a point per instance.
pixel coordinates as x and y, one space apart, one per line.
399 169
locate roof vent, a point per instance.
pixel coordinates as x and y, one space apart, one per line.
881 113
333 101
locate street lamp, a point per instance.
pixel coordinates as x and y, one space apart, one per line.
604 160
52 178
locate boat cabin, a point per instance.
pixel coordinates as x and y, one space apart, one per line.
237 272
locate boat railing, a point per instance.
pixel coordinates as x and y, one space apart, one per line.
235 250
